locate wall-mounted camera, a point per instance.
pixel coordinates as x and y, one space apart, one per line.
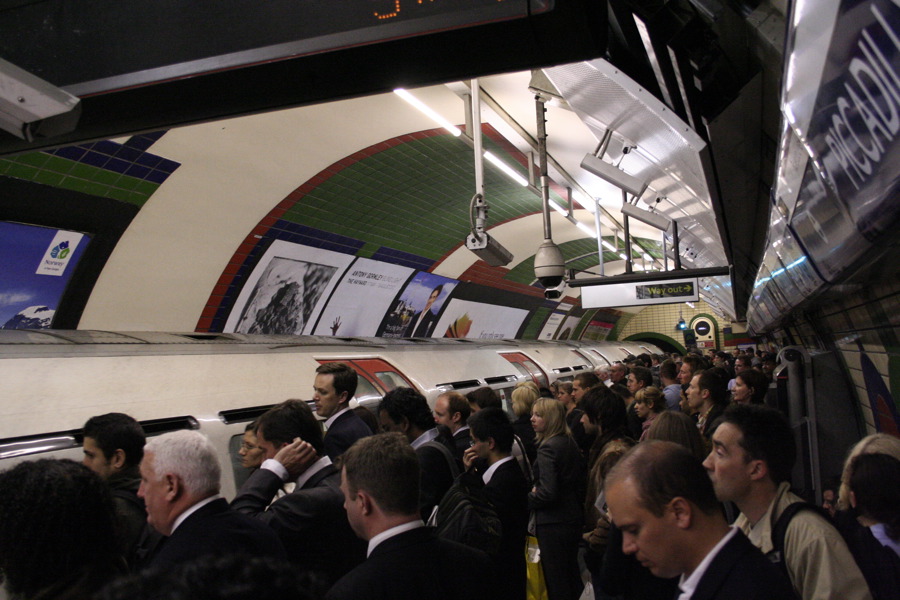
30 107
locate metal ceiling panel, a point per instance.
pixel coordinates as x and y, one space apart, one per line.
668 154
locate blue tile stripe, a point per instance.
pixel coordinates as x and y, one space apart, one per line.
406 259
130 158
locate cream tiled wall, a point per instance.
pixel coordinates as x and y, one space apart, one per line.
662 318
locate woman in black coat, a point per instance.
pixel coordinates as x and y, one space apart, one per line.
556 499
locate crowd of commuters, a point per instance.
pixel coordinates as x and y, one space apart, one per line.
661 477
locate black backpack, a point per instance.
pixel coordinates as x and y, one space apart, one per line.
465 515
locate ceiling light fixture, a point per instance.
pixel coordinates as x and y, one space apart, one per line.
456 131
424 109
557 208
645 216
586 229
613 175
506 169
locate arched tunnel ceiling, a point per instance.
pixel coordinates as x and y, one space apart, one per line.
380 173
372 170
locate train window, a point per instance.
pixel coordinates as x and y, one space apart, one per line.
531 369
506 400
522 370
376 377
367 395
240 473
390 379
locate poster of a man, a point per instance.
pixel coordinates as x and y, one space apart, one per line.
416 312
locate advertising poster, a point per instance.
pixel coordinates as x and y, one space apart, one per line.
36 264
362 298
416 312
286 291
597 330
476 320
551 326
568 328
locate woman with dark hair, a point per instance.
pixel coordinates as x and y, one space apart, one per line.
57 531
871 488
555 500
750 386
673 426
605 415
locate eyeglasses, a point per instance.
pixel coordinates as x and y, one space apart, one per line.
248 447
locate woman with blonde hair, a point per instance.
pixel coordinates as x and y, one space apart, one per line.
523 399
555 500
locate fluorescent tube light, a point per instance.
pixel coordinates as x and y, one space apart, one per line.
506 169
586 229
418 104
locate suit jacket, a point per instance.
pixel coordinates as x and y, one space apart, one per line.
216 529
424 328
310 521
741 572
345 430
417 564
559 476
508 492
436 476
462 440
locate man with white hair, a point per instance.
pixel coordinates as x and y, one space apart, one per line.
180 476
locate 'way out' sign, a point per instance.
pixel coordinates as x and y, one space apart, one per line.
639 294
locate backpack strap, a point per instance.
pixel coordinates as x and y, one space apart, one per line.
451 461
525 462
779 530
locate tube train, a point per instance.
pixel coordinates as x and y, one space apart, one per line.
55 380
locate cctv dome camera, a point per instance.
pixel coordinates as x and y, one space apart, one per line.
553 294
549 266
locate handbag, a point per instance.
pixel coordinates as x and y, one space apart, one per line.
536 587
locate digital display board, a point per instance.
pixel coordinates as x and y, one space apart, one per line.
166 39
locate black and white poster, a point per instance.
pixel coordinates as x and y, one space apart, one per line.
287 290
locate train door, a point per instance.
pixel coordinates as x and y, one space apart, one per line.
527 367
376 378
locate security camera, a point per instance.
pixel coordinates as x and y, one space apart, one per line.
31 107
489 250
549 266
553 294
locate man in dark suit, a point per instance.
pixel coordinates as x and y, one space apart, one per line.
180 476
489 463
665 506
380 481
451 413
310 521
404 410
333 388
422 323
